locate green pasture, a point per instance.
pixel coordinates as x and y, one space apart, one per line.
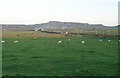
45 57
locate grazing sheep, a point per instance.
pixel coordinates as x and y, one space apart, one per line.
100 40
59 42
69 39
83 42
108 40
2 41
16 41
119 40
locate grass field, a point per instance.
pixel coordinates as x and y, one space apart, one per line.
43 56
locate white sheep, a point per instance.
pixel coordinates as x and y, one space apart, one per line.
59 42
108 40
83 42
100 40
2 41
16 41
119 40
69 39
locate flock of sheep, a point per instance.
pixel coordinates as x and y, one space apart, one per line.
13 42
59 42
83 42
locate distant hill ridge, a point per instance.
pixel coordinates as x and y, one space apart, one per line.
56 25
69 25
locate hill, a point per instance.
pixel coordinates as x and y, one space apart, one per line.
56 25
71 25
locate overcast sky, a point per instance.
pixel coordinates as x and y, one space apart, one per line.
39 11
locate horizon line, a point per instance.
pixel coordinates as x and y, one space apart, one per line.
58 21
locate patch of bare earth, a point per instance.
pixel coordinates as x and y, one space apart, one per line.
30 34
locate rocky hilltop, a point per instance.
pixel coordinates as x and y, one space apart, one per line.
69 25
55 25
